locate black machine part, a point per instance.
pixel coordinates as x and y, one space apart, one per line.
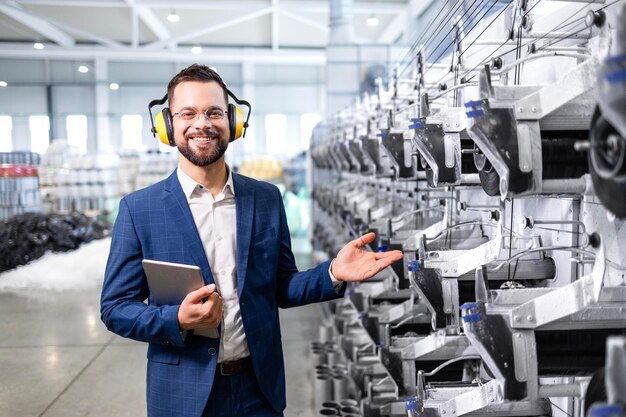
607 163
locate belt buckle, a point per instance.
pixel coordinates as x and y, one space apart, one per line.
221 365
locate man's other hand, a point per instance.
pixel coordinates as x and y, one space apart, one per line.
201 309
354 264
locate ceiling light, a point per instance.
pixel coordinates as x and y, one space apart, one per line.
114 86
38 45
173 17
83 69
3 83
372 21
196 50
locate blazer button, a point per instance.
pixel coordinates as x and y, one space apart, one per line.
212 351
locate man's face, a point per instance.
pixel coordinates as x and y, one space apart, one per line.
201 140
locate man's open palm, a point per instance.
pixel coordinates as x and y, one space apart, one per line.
354 264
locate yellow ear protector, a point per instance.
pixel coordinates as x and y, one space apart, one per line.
162 122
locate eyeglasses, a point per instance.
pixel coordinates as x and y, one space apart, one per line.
213 114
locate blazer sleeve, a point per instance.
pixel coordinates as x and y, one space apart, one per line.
125 288
299 288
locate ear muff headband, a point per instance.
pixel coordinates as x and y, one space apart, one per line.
235 117
162 122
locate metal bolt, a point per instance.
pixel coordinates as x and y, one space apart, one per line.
447 124
491 399
530 318
456 124
445 271
454 270
518 335
534 109
520 110
516 318
443 411
525 167
453 411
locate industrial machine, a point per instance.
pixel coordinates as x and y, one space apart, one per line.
494 157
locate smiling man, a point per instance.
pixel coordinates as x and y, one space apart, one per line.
235 229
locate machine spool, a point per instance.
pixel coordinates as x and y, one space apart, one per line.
607 162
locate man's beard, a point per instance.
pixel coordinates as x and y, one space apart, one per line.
204 159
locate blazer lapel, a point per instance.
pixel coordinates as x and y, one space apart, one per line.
244 207
176 203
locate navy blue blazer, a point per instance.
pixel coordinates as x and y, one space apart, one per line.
156 223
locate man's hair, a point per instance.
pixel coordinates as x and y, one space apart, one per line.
196 72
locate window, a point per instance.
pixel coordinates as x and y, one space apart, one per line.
76 126
6 139
307 122
132 125
276 134
39 127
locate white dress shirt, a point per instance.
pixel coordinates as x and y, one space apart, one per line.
216 222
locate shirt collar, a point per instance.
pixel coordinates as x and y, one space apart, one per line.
189 185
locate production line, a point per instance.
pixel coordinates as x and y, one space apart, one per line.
502 178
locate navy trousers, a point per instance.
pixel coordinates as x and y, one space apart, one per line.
238 396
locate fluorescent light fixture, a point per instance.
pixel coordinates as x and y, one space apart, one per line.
83 69
372 21
3 83
173 17
196 50
114 86
38 45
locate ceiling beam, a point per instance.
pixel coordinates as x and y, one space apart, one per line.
305 20
221 55
86 34
39 25
316 6
76 3
151 20
210 29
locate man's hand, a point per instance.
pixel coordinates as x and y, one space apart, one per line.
201 309
354 264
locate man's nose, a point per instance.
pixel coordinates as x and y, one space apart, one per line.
202 120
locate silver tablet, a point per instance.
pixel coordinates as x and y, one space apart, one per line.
169 282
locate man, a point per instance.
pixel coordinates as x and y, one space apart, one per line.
234 228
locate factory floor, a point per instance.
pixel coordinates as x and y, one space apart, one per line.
58 359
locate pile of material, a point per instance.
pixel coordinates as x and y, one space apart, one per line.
29 236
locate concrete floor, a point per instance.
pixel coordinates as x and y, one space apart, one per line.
58 359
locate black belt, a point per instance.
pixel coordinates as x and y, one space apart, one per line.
235 367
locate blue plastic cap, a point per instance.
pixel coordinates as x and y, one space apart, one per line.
615 77
382 248
410 403
472 103
471 318
606 410
467 306
475 113
413 266
615 59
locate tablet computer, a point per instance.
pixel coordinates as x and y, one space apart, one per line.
169 284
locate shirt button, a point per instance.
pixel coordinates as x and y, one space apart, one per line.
219 237
212 351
